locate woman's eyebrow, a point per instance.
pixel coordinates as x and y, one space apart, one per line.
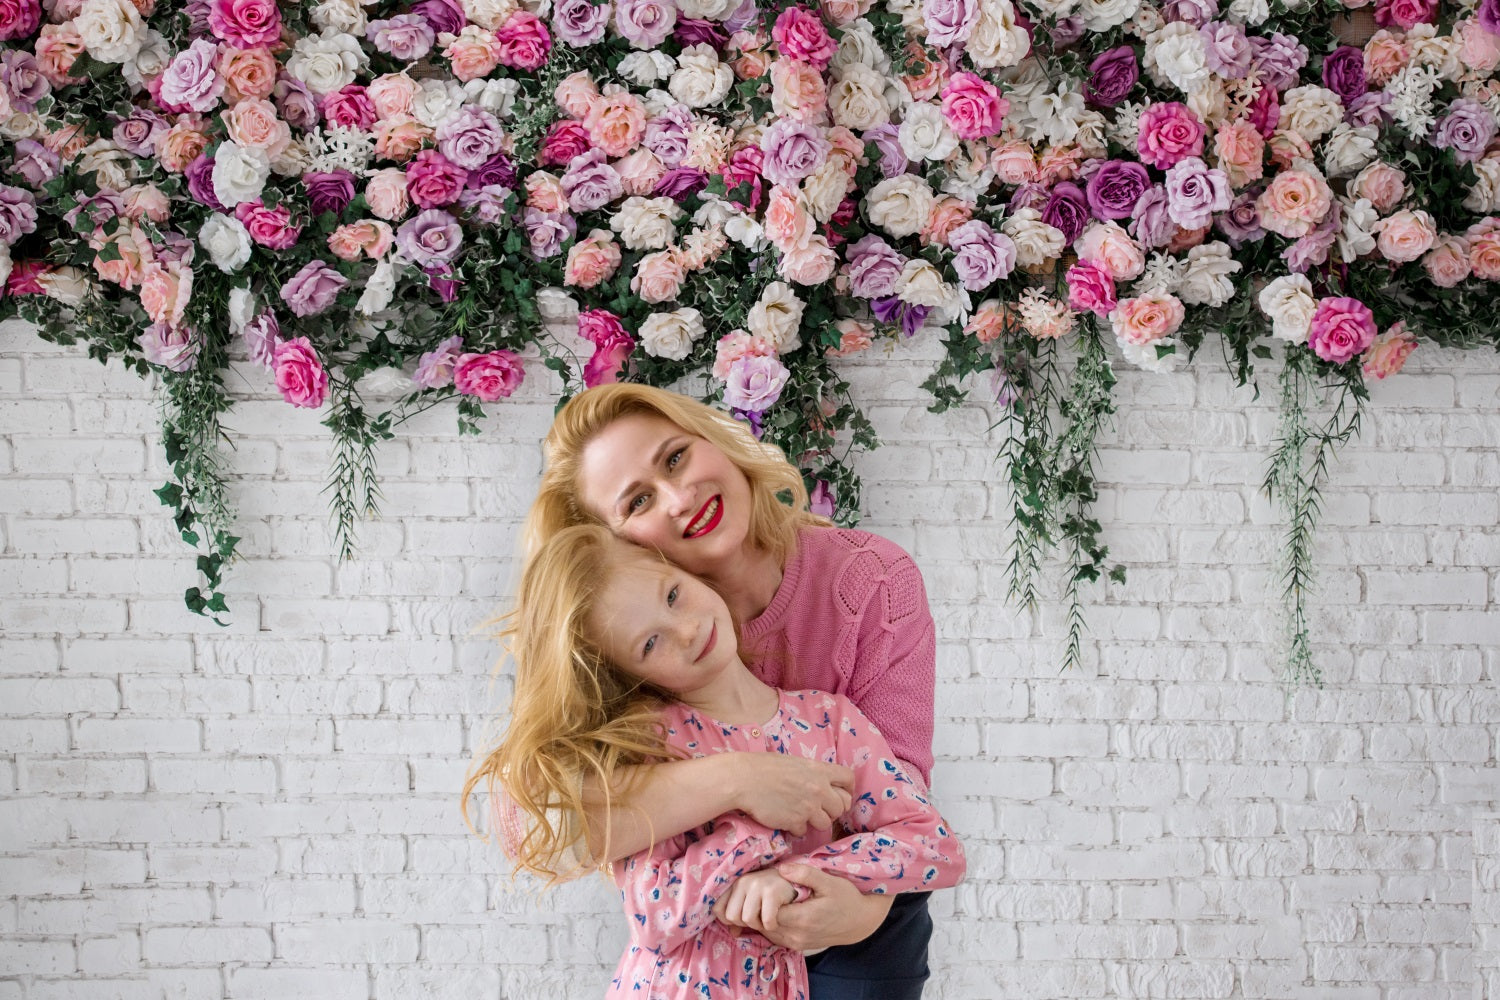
635 484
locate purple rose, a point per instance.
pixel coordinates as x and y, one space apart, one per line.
197 12
755 382
313 288
590 182
200 182
645 24
1368 109
1344 73
1067 209
407 37
1195 192
743 16
1488 16
667 134
1067 31
981 255
470 137
1112 75
137 133
1226 50
1115 187
1151 225
174 348
431 239
261 335
793 150
1241 224
580 22
21 76
547 231
1279 58
435 368
443 15
191 80
444 283
949 21
893 161
35 163
693 31
497 171
17 213
1309 252
1194 12
22 19
94 209
1029 194
821 500
329 192
873 268
298 107
681 183
486 204
1466 129
893 312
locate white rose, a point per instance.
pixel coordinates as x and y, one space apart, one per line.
1092 136
227 241
379 290
294 161
1357 235
5 262
1248 12
824 190
435 101
707 10
1205 280
1484 196
240 173
646 223
149 61
857 46
777 317
925 133
25 125
1349 150
384 382
340 15
112 30
671 334
1311 111
1055 115
701 80
910 12
110 165
1209 101
646 69
657 102
326 62
67 285
921 284
857 98
1102 15
745 231
1147 356
1442 54
498 97
900 205
556 305
1289 302
488 14
1176 55
1036 242
997 41
241 309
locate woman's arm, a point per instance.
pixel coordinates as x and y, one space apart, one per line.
663 800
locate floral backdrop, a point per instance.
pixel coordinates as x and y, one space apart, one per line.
732 194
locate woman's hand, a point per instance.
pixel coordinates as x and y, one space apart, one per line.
754 900
792 793
836 913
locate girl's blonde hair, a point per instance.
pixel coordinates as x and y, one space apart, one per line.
573 715
779 497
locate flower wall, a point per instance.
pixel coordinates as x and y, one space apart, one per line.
729 196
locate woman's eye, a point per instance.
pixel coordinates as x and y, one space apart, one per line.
636 503
650 645
671 597
676 457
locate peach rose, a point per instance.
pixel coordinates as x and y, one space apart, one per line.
1447 263
1059 163
1405 236
592 260
165 292
392 94
386 193
1287 148
369 236
247 72
798 91
658 277
1386 54
1388 352
811 264
990 321
253 122
577 94
927 74
1479 50
1295 202
640 171
181 144
1014 162
842 12
135 253
1242 151
1484 255
788 225
145 201
544 192
753 60
616 121
1382 184
1147 318
735 345
400 138
948 213
1186 239
1108 244
473 53
57 48
854 336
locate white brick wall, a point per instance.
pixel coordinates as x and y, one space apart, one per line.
269 810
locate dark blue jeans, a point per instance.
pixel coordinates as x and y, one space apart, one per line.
890 964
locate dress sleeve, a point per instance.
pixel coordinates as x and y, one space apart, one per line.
895 656
899 842
669 891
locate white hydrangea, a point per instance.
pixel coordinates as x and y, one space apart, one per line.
1411 99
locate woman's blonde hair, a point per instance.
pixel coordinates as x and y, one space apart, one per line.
574 714
779 497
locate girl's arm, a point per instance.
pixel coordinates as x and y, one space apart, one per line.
779 792
669 891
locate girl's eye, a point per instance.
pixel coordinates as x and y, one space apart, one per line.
650 645
671 597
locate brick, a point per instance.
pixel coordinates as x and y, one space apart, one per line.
47 695
206 945
216 775
52 615
353 940
278 982
38 957
138 735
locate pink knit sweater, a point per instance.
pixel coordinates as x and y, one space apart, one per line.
851 617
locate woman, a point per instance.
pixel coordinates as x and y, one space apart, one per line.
818 607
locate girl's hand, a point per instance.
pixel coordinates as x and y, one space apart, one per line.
836 913
792 793
754 899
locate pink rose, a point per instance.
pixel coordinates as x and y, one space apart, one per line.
592 260
990 321
616 121
973 106
1484 254
736 345
1091 288
610 354
432 180
639 172
1110 245
1014 162
787 223
245 24
369 237
854 336
1295 202
523 42
1169 132
1382 184
1147 318
18 18
1405 236
400 138
1341 328
270 227
1386 54
798 90
473 53
491 376
544 192
812 264
577 94
165 292
1447 263
350 107
1241 152
313 289
800 35
247 73
386 194
392 94
658 277
299 373
1388 353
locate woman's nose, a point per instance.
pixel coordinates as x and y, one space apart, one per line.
677 497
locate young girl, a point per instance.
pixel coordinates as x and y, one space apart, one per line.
622 659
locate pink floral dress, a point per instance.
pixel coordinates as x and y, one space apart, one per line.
897 842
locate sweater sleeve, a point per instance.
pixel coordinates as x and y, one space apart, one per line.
669 891
894 667
899 842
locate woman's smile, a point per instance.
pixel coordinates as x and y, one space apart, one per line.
707 518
